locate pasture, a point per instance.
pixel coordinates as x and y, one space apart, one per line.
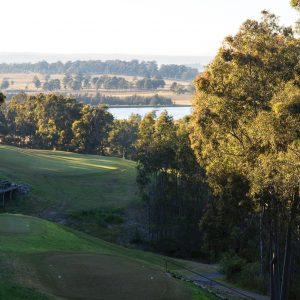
24 82
43 260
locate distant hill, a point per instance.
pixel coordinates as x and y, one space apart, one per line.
24 57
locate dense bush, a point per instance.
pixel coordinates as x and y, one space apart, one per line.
245 274
232 265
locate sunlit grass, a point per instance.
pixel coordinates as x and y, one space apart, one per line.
66 182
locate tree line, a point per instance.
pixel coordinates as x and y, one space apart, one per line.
79 81
245 132
99 98
118 67
155 100
54 122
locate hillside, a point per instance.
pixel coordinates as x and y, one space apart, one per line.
69 188
43 260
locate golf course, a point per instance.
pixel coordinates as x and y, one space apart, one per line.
69 182
40 259
43 260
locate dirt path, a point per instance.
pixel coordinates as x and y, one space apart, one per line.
214 276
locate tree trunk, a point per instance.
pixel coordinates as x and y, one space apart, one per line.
288 250
261 246
274 254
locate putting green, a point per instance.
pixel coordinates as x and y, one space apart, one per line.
96 276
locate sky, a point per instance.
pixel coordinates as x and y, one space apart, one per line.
155 27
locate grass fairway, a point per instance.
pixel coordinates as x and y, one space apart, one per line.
43 260
64 182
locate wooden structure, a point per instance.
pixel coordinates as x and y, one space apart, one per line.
7 188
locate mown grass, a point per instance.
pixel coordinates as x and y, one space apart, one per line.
35 253
67 182
15 292
40 257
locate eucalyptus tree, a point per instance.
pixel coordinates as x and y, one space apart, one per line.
90 131
123 136
233 135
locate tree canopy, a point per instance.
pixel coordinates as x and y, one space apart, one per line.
246 127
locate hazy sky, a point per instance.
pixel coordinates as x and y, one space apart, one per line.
170 27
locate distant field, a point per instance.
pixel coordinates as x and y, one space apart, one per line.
24 82
42 260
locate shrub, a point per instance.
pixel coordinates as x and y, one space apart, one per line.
238 271
231 265
250 277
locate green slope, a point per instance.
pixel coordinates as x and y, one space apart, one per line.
67 182
40 260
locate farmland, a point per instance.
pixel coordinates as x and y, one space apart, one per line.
23 82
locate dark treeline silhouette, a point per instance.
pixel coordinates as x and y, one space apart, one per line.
155 100
172 184
130 100
118 67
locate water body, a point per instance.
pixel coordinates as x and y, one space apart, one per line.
177 112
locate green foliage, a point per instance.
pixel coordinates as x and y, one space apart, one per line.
199 294
123 136
150 84
171 183
231 265
51 85
55 122
37 83
238 271
130 100
108 83
2 98
295 4
181 89
251 278
4 84
92 129
101 217
246 124
11 291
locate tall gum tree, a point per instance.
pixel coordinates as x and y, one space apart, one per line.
245 123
